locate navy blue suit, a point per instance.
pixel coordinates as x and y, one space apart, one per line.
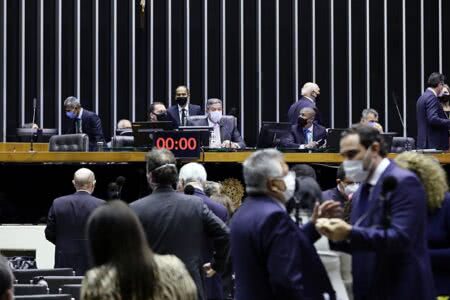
438 232
296 137
66 223
392 263
174 116
334 194
228 129
432 123
90 125
273 258
213 285
294 110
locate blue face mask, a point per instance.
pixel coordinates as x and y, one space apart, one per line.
71 115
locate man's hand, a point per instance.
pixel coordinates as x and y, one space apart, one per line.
334 229
229 144
328 209
311 145
208 270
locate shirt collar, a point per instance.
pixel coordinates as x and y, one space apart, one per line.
310 129
379 171
310 99
81 113
279 203
186 107
433 91
212 124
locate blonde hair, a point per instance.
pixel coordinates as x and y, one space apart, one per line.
430 173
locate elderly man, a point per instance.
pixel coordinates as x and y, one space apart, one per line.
67 220
84 121
386 237
310 92
178 113
225 133
306 134
432 122
157 112
194 174
273 258
6 280
176 223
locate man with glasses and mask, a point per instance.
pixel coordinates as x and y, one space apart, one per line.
386 238
272 257
179 112
432 122
306 134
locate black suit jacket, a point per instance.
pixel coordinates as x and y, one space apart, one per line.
66 229
176 224
228 130
90 125
296 137
174 116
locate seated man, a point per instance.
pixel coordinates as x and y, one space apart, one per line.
124 124
225 134
370 117
84 121
179 113
306 134
157 112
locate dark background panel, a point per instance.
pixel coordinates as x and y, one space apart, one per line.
197 52
287 67
142 56
233 56
305 42
214 50
431 29
86 54
160 54
123 60
31 56
49 65
446 38
178 43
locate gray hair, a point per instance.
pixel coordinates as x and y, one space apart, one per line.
72 102
193 172
366 112
260 166
82 178
213 101
161 164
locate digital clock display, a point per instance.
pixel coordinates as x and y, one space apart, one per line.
183 144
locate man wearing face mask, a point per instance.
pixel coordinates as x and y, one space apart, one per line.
306 134
385 238
344 189
179 112
158 112
432 123
310 93
444 99
272 258
66 223
84 121
225 133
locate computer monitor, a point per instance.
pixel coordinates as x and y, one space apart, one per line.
143 132
40 135
334 138
205 133
388 138
271 134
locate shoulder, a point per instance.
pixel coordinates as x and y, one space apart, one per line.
100 283
320 127
295 128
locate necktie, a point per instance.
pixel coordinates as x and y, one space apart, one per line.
305 135
183 117
78 125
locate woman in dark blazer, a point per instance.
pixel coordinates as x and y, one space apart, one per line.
434 180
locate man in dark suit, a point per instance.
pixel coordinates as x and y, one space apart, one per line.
179 112
432 123
272 257
176 223
310 92
67 220
194 174
306 134
386 237
84 121
225 133
344 188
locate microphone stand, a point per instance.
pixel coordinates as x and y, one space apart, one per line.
407 145
32 124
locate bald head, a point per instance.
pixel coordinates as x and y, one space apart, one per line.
84 179
311 90
306 117
124 124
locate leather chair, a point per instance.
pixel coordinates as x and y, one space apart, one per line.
69 143
402 144
26 276
30 289
120 141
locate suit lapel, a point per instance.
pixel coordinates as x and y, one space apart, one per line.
222 125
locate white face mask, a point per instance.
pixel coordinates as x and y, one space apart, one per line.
215 116
289 182
351 188
354 170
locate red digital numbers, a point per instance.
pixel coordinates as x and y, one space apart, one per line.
182 144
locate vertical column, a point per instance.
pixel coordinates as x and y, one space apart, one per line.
58 63
404 66
205 51
151 54
332 90
95 66
224 53
4 64
386 75
77 49
241 62
277 58
350 65
133 59
188 43
169 52
114 65
313 40
259 59
295 50
368 53
422 47
41 62
440 36
22 63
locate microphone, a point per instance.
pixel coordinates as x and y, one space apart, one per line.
120 181
32 124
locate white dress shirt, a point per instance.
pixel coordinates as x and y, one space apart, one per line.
379 171
215 141
180 112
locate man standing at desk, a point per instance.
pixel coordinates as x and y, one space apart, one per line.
179 113
83 121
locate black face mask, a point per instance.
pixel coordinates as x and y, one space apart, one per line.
302 122
181 101
161 116
444 99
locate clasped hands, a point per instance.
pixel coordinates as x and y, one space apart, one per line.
229 144
325 217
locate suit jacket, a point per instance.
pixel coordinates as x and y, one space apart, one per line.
90 125
295 109
213 285
228 129
273 258
174 116
296 137
438 232
66 229
391 263
176 224
432 123
334 194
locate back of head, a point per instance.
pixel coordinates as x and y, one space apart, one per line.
308 192
116 238
224 200
124 124
309 88
260 166
6 279
161 167
367 136
212 188
430 173
83 179
368 111
192 173
304 170
435 79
